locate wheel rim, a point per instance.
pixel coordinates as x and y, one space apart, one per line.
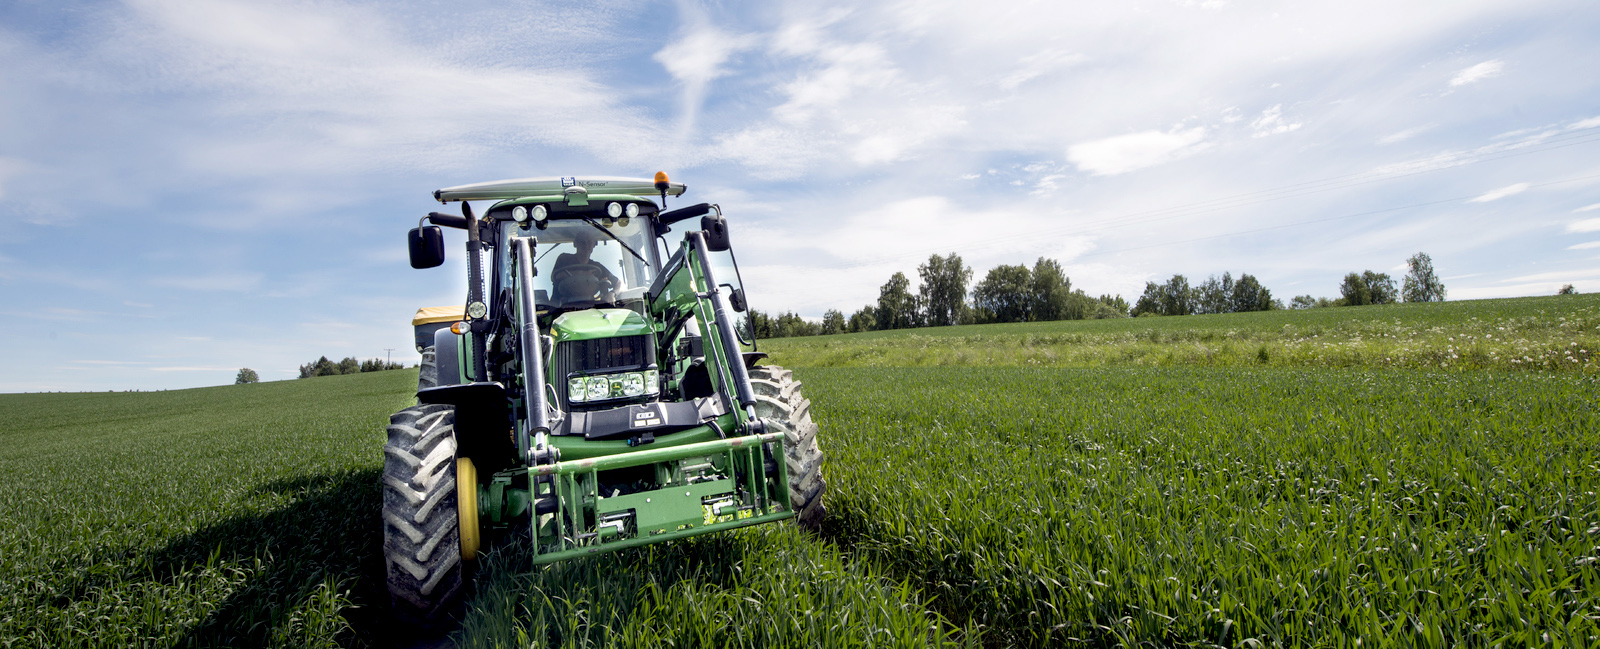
467 507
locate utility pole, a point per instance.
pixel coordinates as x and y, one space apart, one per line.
387 357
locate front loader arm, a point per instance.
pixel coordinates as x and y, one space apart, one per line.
688 285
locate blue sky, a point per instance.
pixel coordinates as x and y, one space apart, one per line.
190 187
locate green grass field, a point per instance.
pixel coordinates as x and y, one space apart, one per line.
1551 334
1054 484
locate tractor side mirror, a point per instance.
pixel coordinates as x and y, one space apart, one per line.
716 232
427 246
736 298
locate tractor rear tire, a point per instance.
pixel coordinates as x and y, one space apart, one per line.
421 535
428 370
780 403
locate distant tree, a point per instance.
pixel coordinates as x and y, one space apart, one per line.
833 322
1080 306
324 367
944 289
760 323
1215 295
1248 295
1382 288
864 319
1353 291
897 308
1421 284
1111 306
1004 294
1176 297
1050 292
1567 289
1149 302
349 365
246 375
1302 302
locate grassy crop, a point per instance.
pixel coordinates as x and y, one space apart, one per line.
238 515
1128 490
1558 333
1194 507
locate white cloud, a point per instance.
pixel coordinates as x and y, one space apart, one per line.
1271 122
1587 208
698 56
1586 225
1125 153
696 59
1584 246
841 98
1494 195
1479 72
1046 185
1037 65
1404 135
1587 123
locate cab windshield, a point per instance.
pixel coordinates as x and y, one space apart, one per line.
584 262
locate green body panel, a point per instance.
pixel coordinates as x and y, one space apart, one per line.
599 323
578 448
623 544
668 509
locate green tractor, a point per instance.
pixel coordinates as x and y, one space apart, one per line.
598 390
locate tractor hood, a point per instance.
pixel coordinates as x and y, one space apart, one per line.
598 323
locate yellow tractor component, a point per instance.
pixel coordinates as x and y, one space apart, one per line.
467 507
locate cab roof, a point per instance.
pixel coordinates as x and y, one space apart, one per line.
554 186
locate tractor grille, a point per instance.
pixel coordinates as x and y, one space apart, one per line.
596 356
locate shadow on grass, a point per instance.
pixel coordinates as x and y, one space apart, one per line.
313 570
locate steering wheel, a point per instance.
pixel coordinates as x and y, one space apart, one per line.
582 281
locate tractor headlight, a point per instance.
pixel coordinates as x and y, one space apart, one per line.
632 384
582 389
599 387
519 214
613 210
632 210
539 213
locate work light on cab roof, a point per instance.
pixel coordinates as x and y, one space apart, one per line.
597 389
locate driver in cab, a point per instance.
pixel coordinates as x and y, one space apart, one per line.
577 278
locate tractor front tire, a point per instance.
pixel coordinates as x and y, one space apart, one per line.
421 535
780 403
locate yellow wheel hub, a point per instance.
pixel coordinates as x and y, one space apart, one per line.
467 507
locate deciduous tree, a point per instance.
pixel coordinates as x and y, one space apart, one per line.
1421 284
1004 293
944 289
897 308
1049 292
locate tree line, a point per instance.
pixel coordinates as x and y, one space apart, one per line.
1005 294
324 367
1018 293
1421 284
